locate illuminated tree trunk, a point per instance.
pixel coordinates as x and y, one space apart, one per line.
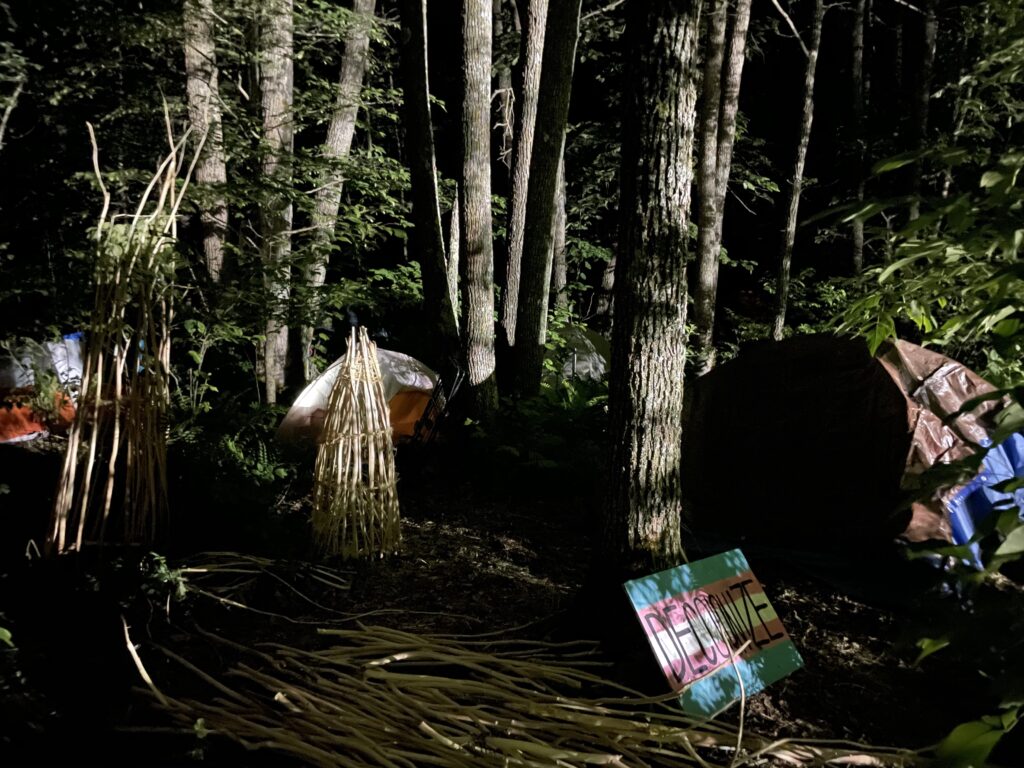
559 267
718 134
476 244
340 132
276 94
531 53
797 180
427 236
204 113
861 90
642 525
548 144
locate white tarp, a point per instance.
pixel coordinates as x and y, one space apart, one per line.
399 373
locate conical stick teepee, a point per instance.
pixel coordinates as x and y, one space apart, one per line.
355 501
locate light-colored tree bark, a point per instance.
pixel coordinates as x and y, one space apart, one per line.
477 247
559 266
427 236
531 54
277 84
548 145
642 526
718 133
504 98
204 112
797 179
340 131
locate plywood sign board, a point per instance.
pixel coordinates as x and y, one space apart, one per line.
697 617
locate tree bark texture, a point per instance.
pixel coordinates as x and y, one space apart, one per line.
548 145
642 526
922 99
559 266
531 53
477 245
427 237
340 131
276 95
204 112
722 136
505 100
797 180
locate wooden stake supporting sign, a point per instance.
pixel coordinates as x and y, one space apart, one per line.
713 631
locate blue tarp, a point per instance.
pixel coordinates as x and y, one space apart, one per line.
978 500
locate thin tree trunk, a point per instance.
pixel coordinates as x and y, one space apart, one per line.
427 238
277 92
340 131
862 16
453 256
505 117
796 182
642 525
559 268
477 246
921 103
707 186
204 112
531 53
605 308
548 145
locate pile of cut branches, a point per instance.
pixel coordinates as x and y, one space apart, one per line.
383 697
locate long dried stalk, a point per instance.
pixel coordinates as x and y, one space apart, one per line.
355 500
383 697
122 411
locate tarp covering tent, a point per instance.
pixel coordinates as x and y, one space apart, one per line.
408 386
821 439
18 369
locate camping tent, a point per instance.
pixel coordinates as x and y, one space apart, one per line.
823 440
18 370
408 386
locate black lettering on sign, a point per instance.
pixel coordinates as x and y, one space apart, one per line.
727 611
653 618
708 615
692 617
681 630
747 604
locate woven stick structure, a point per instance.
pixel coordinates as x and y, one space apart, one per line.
355 500
117 445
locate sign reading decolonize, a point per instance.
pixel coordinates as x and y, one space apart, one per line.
698 616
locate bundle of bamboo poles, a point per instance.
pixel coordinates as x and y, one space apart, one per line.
355 500
383 697
113 483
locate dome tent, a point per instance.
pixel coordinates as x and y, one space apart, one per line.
408 387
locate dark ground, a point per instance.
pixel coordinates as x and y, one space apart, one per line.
472 562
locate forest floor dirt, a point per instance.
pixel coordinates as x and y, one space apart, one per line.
470 562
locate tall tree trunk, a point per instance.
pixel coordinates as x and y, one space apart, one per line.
277 92
531 54
427 238
797 181
477 246
340 131
559 267
204 112
548 145
922 99
453 257
642 525
717 131
605 308
861 22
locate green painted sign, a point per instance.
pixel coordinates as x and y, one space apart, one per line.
711 627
